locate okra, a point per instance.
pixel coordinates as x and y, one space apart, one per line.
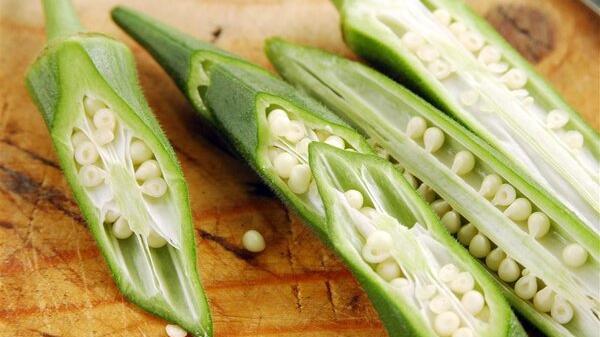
121 168
451 56
542 255
420 281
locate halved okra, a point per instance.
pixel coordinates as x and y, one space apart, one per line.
121 168
545 259
274 127
453 57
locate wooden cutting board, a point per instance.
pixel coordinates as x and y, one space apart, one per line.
53 282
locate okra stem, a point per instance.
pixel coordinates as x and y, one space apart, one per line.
61 19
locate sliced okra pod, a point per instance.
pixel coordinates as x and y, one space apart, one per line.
275 127
453 57
544 257
121 168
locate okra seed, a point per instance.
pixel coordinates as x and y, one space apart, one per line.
147 170
272 152
543 299
574 255
498 67
91 105
515 78
561 311
463 163
295 131
104 119
388 270
457 28
86 153
427 53
175 331
466 234
300 177
415 128
526 287
490 54
425 292
446 323
451 221
78 137
463 332
433 139
448 273
140 152
440 207
378 247
120 229
283 164
472 41
154 187
111 215
442 16
426 193
335 141
490 185
573 139
412 40
354 198
505 195
494 258
91 176
473 302
520 93
462 283
556 119
253 241
509 270
155 240
404 285
480 246
469 97
519 210
411 179
302 146
439 69
369 212
538 224
278 122
439 304
104 136
525 272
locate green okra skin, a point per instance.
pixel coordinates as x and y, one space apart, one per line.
384 111
448 54
121 168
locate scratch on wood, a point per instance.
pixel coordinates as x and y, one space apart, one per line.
216 33
330 296
31 154
296 293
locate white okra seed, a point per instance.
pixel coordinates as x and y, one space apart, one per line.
175 331
463 332
86 153
471 40
504 196
403 285
448 273
78 137
446 323
272 153
378 246
439 304
457 28
515 78
427 53
300 177
253 241
411 179
283 164
91 176
480 246
433 138
295 131
154 187
574 255
440 69
155 240
473 302
278 122
147 170
489 54
462 283
120 229
519 210
543 299
412 40
561 311
425 292
442 16
469 97
103 136
440 207
538 224
91 105
354 198
112 214
139 152
388 270
335 141
509 270
490 185
463 163
466 234
498 68
494 258
526 287
451 221
104 119
426 193
573 139
302 146
556 119
415 128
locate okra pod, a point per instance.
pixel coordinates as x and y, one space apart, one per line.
451 56
121 168
543 256
421 282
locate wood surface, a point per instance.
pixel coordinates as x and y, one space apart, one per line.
53 282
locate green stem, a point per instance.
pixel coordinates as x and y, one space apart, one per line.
61 19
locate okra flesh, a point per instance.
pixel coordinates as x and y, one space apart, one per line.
454 58
123 173
493 211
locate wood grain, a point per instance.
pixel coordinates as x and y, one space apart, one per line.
53 282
